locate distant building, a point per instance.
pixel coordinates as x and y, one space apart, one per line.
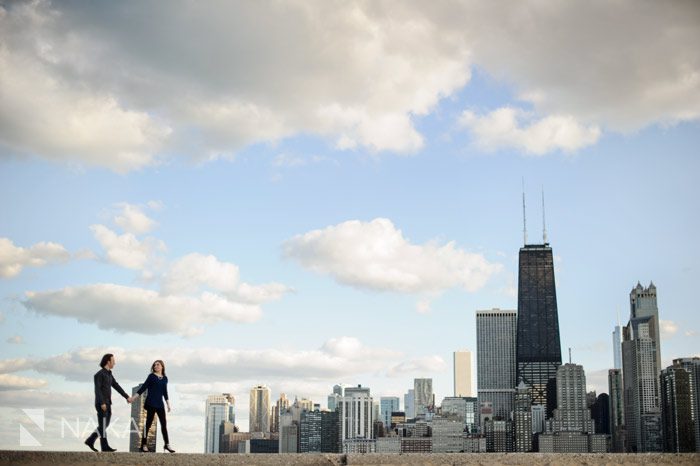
280 405
464 408
259 414
571 430
617 411
539 416
677 409
138 423
330 432
397 417
538 351
388 404
310 431
388 445
617 347
218 408
448 435
499 435
462 373
692 365
522 419
423 392
495 355
641 370
333 398
600 412
356 416
409 404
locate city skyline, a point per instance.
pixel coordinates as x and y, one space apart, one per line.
303 196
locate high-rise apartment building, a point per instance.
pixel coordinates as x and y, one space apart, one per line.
522 419
643 303
617 411
280 406
617 347
423 393
678 409
495 356
538 350
138 424
388 405
356 414
259 414
333 398
640 368
692 365
462 373
463 408
572 413
218 408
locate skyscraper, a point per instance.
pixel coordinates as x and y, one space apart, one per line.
538 351
677 408
643 304
138 424
356 414
389 404
495 360
280 406
409 403
338 391
572 413
692 365
617 410
641 385
462 368
259 416
522 419
423 393
219 408
617 347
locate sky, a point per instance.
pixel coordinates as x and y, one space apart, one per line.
307 193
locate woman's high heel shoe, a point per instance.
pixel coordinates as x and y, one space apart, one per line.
144 449
167 447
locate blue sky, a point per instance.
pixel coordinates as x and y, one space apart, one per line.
303 194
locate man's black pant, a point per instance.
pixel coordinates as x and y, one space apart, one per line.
150 414
103 418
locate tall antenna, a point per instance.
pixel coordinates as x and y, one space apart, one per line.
544 227
524 220
569 355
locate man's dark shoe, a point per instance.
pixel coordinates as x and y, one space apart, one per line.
105 446
90 442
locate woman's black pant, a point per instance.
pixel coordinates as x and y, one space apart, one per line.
150 414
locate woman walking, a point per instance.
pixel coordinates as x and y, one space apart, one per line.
157 385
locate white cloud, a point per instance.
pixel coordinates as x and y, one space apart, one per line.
418 367
132 219
15 365
139 310
503 128
15 340
423 306
376 255
336 358
14 258
15 382
691 333
668 328
127 250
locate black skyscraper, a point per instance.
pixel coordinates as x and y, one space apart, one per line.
538 352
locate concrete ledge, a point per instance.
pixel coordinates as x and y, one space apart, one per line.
34 458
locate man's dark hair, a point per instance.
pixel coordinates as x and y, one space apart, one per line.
105 359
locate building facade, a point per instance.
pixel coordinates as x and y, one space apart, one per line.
218 408
495 355
462 373
538 349
259 414
522 419
388 405
641 386
423 396
692 365
678 415
356 416
617 411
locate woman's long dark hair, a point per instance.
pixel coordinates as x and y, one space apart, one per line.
162 364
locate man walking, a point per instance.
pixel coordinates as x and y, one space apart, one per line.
104 381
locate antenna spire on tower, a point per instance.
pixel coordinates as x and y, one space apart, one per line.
569 355
544 226
524 220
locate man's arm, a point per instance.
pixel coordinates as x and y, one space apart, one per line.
99 388
118 388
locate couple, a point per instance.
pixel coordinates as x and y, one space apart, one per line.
157 385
